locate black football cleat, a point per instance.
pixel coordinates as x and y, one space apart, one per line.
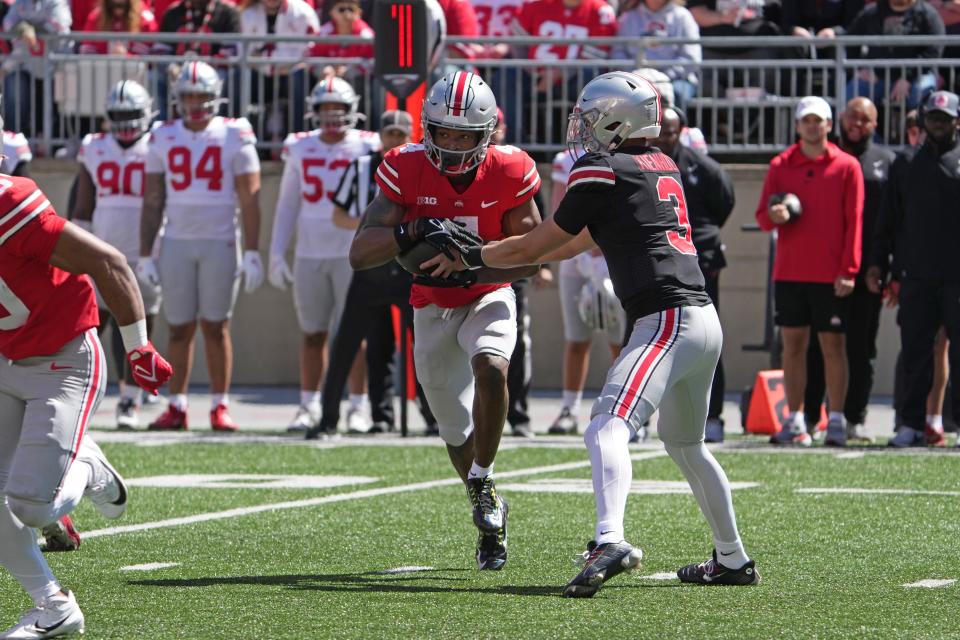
492 547
489 512
602 563
712 572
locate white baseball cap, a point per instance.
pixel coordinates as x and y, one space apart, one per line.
815 105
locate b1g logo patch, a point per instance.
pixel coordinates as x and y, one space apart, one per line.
427 200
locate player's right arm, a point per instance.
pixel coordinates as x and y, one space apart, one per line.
376 242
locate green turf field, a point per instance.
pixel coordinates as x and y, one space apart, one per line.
833 564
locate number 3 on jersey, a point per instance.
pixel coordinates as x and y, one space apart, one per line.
209 168
670 191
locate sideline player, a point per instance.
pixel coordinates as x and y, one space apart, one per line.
52 376
199 168
626 197
15 155
108 203
463 336
314 163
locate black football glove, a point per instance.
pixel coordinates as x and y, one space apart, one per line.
444 233
455 279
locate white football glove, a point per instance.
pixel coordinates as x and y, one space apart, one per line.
252 270
280 274
147 272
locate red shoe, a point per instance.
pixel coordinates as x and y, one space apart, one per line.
172 419
935 437
220 420
61 536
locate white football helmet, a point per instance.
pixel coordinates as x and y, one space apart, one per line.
599 306
613 107
129 111
463 101
198 78
333 90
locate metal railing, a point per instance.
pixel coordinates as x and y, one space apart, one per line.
743 106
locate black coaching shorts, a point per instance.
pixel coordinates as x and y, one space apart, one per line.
809 304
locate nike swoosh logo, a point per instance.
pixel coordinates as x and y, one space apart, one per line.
55 367
485 205
603 533
727 554
50 628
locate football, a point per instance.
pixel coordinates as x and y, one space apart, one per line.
790 201
411 259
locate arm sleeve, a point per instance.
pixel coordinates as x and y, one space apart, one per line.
853 222
38 237
590 180
288 208
346 193
388 179
574 211
245 161
888 221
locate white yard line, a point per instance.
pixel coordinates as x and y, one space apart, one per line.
888 492
930 584
150 566
660 576
850 455
340 497
414 569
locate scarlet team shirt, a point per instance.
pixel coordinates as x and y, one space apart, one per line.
505 179
42 308
495 17
552 19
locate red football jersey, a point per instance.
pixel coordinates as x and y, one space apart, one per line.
551 18
41 307
505 179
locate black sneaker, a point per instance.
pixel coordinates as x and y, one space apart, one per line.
319 432
489 512
602 563
712 572
565 424
492 547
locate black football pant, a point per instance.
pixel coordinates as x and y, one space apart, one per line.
715 410
863 323
521 366
366 314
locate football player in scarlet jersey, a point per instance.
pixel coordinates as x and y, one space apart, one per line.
199 168
108 204
52 376
464 335
625 197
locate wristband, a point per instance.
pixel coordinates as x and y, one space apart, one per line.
134 335
473 258
402 235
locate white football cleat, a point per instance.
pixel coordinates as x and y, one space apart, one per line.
58 616
357 422
127 414
106 490
303 421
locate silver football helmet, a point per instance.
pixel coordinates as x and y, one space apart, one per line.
613 107
129 111
662 83
333 90
599 306
463 101
198 78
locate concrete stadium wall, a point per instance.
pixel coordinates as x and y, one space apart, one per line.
266 333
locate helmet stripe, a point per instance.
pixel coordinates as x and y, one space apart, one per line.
330 84
460 81
194 69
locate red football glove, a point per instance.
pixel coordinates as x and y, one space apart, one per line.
149 369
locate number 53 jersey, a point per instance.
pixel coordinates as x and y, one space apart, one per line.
634 207
199 169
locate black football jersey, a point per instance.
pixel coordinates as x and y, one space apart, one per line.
634 207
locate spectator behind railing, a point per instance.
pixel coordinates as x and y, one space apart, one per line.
949 12
494 18
272 82
664 19
817 19
120 16
461 21
896 18
23 69
346 19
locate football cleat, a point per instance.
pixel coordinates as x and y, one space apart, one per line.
127 414
713 431
489 511
907 437
357 422
58 616
712 572
601 563
172 419
492 547
935 436
303 421
565 424
836 434
220 419
788 436
858 433
106 490
60 536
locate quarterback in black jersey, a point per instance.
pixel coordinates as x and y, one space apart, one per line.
626 198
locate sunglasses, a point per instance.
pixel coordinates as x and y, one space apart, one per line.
345 9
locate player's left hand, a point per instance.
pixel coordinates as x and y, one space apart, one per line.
252 270
842 287
443 266
149 369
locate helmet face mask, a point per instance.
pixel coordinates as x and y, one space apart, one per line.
460 101
197 93
455 162
333 121
612 108
129 111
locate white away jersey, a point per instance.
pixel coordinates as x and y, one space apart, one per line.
15 148
311 174
117 175
199 169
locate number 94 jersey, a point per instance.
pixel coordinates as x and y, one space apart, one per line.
199 169
634 207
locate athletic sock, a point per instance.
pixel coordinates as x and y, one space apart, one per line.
731 554
21 556
179 401
358 401
571 400
935 421
132 392
310 399
476 471
217 399
797 422
608 439
836 416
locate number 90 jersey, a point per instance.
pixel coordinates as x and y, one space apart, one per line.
117 176
634 207
199 169
505 179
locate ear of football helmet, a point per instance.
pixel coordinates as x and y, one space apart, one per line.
129 111
613 107
198 78
333 90
462 101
